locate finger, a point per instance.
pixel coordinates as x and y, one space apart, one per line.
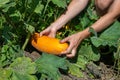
52 34
64 40
44 32
68 50
73 53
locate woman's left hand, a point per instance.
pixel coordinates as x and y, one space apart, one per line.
74 41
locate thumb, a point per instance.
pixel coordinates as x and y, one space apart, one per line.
73 53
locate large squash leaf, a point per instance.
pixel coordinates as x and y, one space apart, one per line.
19 76
77 67
23 68
5 73
86 54
89 52
49 64
109 37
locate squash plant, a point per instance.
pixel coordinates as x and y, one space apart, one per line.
19 19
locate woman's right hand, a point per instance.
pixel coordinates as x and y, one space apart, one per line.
49 31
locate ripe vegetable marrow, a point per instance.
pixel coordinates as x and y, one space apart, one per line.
48 44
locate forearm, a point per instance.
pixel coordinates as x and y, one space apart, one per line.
101 24
74 8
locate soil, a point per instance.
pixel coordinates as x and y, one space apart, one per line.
101 71
104 72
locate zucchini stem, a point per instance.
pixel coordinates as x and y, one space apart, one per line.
26 41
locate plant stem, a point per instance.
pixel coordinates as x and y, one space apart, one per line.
26 41
46 7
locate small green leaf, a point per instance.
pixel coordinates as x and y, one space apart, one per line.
30 28
16 16
60 3
3 2
7 6
93 31
81 62
3 57
85 21
5 33
9 52
39 8
92 14
75 70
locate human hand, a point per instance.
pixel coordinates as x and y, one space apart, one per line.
74 41
49 31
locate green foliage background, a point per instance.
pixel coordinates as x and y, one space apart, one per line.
19 19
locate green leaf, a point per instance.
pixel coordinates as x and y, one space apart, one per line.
5 34
77 67
2 20
109 37
39 8
23 65
49 65
89 52
60 3
3 57
93 31
92 14
117 53
84 20
9 52
75 70
3 2
86 54
29 28
16 16
23 68
18 76
7 6
5 73
81 62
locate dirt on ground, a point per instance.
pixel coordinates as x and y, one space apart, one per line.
103 72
